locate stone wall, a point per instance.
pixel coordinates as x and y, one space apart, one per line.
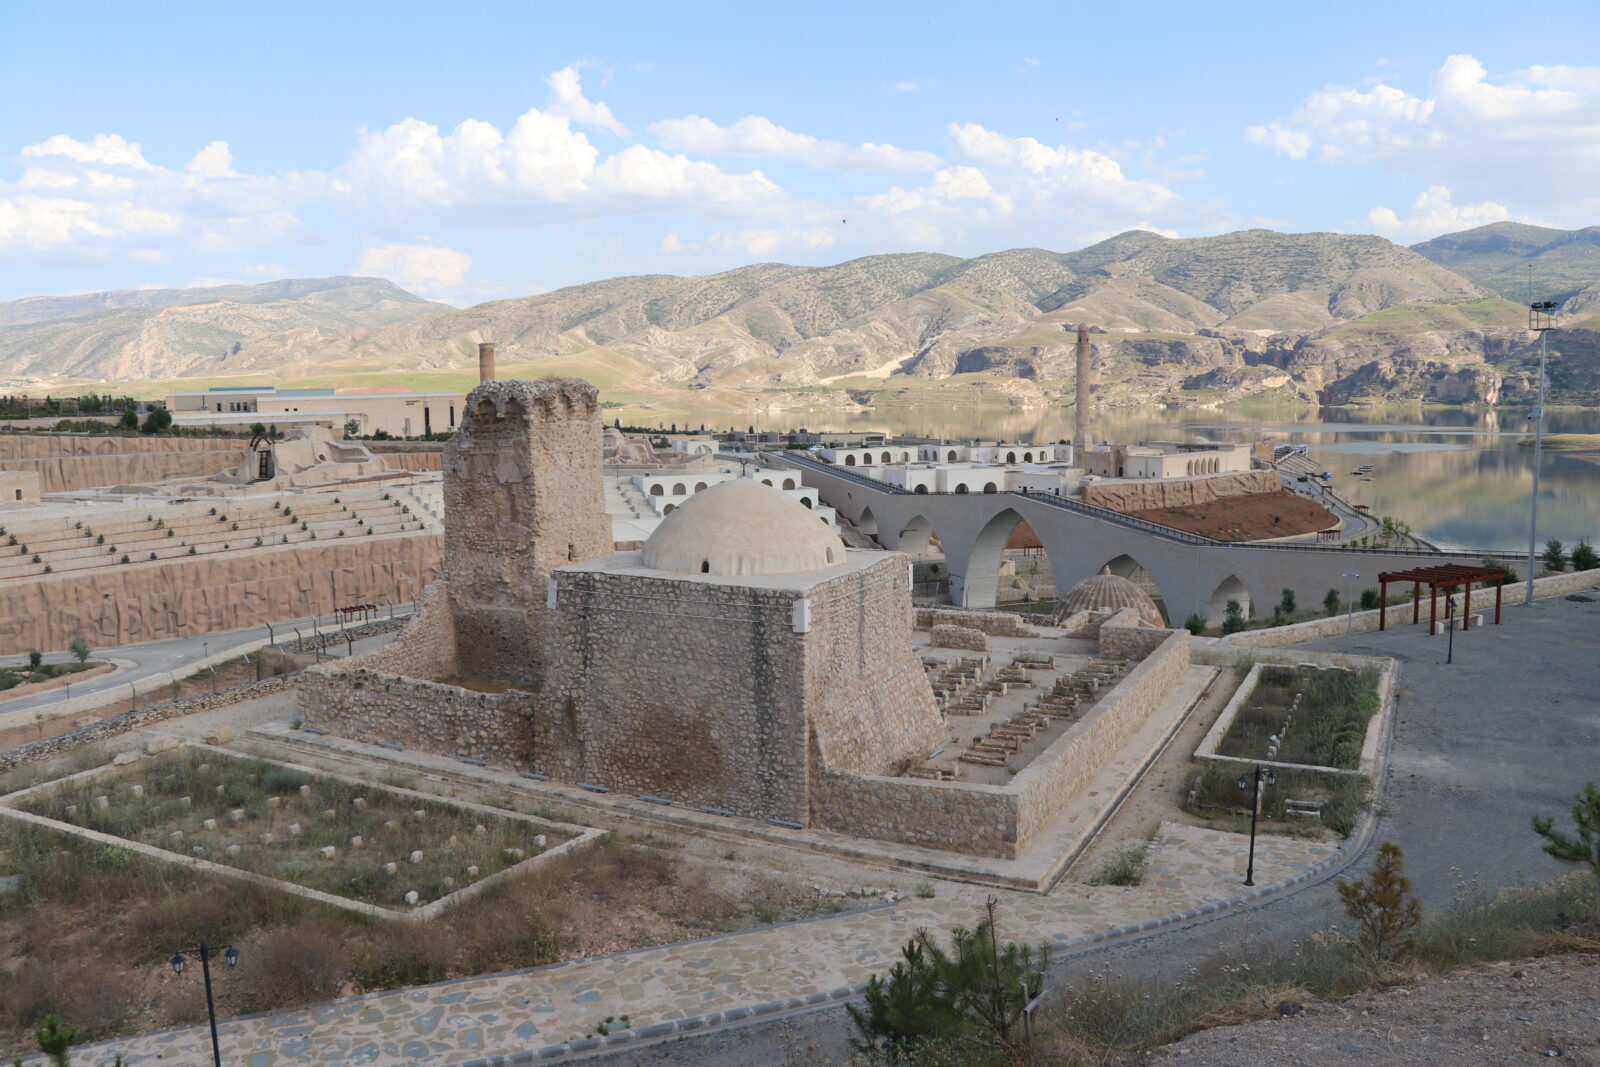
413 461
425 648
72 461
523 494
375 706
177 598
946 636
977 820
993 623
1145 494
18 489
1125 636
1002 821
1059 774
688 690
870 705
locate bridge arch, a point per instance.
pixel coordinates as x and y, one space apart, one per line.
981 573
867 523
917 538
1230 588
1126 566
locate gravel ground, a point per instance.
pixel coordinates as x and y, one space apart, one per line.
1536 1010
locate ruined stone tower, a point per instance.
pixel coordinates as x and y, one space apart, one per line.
1080 439
485 361
523 494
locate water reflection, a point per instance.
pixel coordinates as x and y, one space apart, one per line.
1459 476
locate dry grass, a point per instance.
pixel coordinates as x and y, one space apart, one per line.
89 930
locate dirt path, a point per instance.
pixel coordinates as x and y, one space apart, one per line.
1523 1012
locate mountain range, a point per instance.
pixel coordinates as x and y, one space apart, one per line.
1320 316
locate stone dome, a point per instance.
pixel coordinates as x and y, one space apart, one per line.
1109 592
742 527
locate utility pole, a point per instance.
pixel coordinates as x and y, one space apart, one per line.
1539 315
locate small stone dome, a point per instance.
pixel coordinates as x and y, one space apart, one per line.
1109 592
742 527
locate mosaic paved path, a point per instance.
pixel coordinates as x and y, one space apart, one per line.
468 1019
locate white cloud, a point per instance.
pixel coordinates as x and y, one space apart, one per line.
421 268
1432 213
1530 137
88 198
1023 191
905 87
755 243
761 138
568 102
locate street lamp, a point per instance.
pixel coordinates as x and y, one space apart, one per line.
1245 782
1539 315
1350 609
205 953
1450 628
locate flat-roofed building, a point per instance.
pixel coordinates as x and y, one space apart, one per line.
396 413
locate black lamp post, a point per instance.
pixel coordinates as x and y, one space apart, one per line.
1450 628
204 954
1245 781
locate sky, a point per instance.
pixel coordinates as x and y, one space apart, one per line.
483 151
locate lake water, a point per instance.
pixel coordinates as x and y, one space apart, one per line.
1459 477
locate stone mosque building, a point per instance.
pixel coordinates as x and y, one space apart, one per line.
743 660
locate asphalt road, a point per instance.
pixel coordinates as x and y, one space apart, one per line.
155 659
1509 730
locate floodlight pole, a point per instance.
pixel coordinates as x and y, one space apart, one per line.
1538 453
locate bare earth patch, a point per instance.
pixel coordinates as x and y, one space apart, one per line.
1521 1012
1253 517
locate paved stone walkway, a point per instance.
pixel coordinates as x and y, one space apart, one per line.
521 1012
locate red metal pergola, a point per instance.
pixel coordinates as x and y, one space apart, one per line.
1446 577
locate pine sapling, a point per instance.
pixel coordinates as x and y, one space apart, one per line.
1383 906
1583 848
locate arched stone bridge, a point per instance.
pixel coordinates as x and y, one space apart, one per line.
1194 574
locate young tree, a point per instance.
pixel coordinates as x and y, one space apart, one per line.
1554 556
1286 603
35 657
352 427
130 418
1585 847
971 997
1383 906
158 421
1584 557
1233 618
55 1039
1195 624
80 649
1330 601
1369 599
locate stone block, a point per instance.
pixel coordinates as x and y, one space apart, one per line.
267 839
390 868
946 635
122 759
102 802
137 791
209 824
411 896
328 852
416 857
222 736
160 744
357 841
232 851
236 816
295 829
305 790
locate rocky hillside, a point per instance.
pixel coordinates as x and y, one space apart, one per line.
1315 316
1499 257
155 333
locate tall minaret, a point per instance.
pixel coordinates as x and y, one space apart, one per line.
1080 439
485 361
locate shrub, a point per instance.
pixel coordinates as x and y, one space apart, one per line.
1369 599
1584 557
1286 603
1383 907
80 649
1554 556
303 963
35 657
1126 866
124 557
1330 601
1195 624
100 539
36 558
280 780
1583 848
970 997
191 550
1233 619
48 568
55 1039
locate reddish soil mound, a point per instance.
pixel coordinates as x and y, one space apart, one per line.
1256 517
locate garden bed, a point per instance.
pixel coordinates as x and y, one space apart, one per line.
25 681
382 850
1309 715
